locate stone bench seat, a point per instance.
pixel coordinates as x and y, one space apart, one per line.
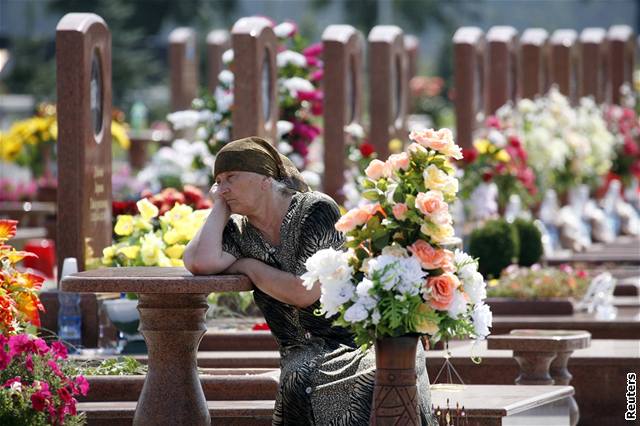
227 387
120 413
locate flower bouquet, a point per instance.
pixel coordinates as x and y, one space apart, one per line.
37 386
399 276
19 301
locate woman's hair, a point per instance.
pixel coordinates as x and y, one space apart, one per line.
282 187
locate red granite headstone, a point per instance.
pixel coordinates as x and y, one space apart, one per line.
468 56
183 67
255 102
343 51
534 62
593 50
501 76
412 47
83 56
564 62
388 87
621 58
217 43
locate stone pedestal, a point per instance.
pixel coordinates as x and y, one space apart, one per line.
543 356
172 309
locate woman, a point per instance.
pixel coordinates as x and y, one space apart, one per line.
265 223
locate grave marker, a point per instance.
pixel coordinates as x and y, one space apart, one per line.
564 62
388 87
593 50
621 59
501 75
468 54
534 76
183 67
217 43
343 48
412 47
255 109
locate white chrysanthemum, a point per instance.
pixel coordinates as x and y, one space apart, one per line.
482 320
287 57
363 287
355 130
283 127
475 287
327 266
334 294
458 305
411 276
284 30
225 77
297 84
227 56
184 119
462 258
356 313
388 269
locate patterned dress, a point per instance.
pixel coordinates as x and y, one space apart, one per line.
325 379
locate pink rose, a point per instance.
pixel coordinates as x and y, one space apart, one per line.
430 257
376 170
398 161
442 290
351 219
400 211
431 203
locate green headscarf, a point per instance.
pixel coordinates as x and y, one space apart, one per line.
254 154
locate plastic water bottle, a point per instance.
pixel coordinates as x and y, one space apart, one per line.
139 113
69 314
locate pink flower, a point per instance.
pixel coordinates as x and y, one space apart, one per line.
59 350
5 359
311 96
441 141
40 346
9 382
65 395
41 397
317 75
398 161
431 203
400 211
431 258
351 219
28 363
55 368
314 49
442 288
376 170
18 344
83 384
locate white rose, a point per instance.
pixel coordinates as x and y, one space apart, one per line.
475 288
482 319
458 305
327 266
297 84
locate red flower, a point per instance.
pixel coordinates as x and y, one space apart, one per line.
630 146
487 176
366 149
469 155
40 398
581 273
65 395
493 122
260 326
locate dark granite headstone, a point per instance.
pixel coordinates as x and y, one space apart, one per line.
594 64
217 43
255 102
621 58
388 87
564 62
501 76
468 56
534 62
343 52
183 67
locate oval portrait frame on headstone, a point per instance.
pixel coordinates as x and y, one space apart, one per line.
266 87
351 90
96 95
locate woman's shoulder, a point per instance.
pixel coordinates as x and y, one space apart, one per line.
317 201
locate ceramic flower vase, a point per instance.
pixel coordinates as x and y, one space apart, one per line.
395 394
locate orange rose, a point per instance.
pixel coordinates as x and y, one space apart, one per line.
400 211
431 258
431 203
376 170
398 161
442 288
351 219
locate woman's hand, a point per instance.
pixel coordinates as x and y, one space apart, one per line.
217 198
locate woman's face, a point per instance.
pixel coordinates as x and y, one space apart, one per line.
241 190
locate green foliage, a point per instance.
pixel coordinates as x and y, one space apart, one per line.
124 366
496 244
530 242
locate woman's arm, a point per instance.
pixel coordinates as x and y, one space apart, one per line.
204 255
280 285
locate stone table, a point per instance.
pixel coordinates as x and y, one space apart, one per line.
543 356
493 405
172 305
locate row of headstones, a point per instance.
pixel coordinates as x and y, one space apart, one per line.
493 69
83 55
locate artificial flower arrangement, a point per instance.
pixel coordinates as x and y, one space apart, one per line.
398 277
19 301
31 142
538 282
566 146
151 238
623 122
37 385
499 156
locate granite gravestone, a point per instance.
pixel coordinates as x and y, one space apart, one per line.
501 76
412 47
564 62
183 67
468 57
621 59
255 104
388 87
593 51
343 51
217 43
534 61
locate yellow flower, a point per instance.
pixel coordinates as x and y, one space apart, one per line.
425 325
124 225
172 236
130 252
503 156
482 146
164 261
108 252
493 282
119 134
146 208
177 262
175 251
395 146
142 224
438 180
177 214
151 249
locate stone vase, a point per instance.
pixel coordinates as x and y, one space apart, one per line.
395 394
